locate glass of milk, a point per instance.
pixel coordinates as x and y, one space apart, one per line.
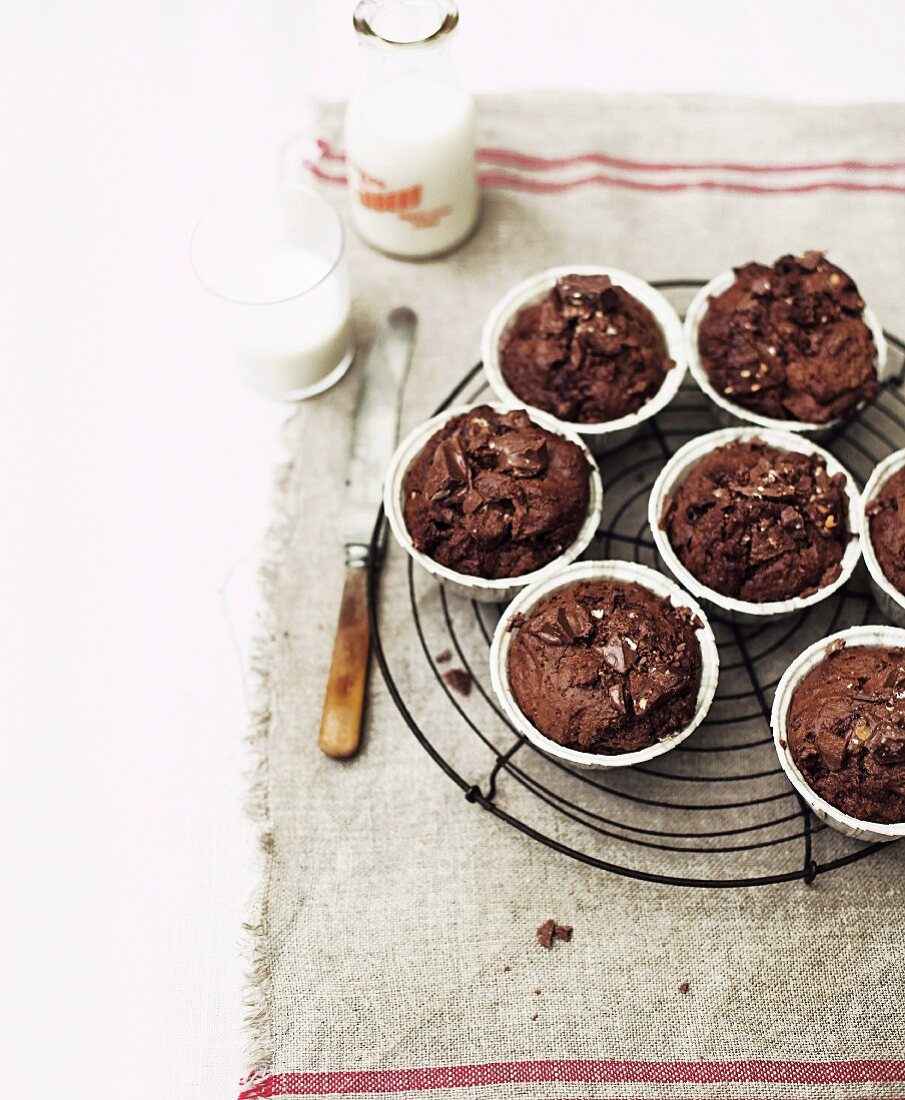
275 261
410 132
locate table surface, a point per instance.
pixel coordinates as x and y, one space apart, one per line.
139 470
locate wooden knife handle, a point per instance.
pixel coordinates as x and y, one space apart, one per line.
340 733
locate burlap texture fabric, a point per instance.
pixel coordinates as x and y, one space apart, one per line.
394 928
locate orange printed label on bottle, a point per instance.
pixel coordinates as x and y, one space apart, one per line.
404 202
426 219
372 180
391 201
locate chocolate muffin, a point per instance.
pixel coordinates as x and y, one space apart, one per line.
588 352
790 341
760 524
846 731
494 495
606 667
886 516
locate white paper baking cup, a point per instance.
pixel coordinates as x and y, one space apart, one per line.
604 435
673 475
889 599
727 412
481 588
878 636
611 571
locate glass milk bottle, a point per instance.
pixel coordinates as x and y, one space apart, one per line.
410 134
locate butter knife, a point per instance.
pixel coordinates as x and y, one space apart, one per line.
373 440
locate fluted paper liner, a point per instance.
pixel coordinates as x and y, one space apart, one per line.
627 572
483 589
728 412
606 434
677 470
889 599
885 636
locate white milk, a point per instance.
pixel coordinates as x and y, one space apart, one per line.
410 144
410 134
299 336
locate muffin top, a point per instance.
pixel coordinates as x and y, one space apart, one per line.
494 495
588 352
886 515
606 666
790 342
758 523
846 731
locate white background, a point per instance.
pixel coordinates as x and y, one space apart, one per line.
136 470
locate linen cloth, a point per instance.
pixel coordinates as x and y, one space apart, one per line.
393 934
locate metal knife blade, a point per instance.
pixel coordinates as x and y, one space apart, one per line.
374 429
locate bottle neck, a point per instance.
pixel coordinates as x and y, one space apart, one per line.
407 37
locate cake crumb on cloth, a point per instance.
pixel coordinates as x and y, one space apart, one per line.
550 931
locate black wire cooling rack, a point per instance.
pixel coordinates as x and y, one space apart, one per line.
717 811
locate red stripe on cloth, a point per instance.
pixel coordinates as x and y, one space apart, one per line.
574 1071
320 174
500 180
535 163
547 187
328 152
526 161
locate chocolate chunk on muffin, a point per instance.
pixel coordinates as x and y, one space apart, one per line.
758 523
495 495
588 352
606 667
790 341
846 732
886 518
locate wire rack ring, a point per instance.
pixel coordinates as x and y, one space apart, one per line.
717 811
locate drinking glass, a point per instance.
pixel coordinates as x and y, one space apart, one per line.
274 259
